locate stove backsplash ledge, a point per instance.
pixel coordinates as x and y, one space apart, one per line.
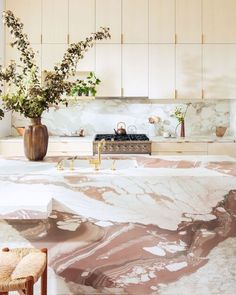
101 116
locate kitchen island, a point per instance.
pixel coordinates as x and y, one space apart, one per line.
139 225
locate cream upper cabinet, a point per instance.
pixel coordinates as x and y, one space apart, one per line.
55 21
13 54
219 71
108 69
189 71
29 13
108 14
81 19
52 55
188 21
87 63
135 21
161 71
219 21
161 21
135 70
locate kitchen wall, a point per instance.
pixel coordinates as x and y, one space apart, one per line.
5 124
101 115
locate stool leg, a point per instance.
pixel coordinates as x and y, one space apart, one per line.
5 250
44 276
30 286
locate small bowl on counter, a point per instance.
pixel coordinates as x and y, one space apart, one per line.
20 130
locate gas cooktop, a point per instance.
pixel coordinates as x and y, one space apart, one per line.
127 137
123 144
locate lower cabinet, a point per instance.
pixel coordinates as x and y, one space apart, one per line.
178 148
70 149
192 148
222 148
15 148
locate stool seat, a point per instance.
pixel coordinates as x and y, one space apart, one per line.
21 267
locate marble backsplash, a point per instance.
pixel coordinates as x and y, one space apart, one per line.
102 115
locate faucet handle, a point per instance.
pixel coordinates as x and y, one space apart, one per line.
113 167
72 164
60 165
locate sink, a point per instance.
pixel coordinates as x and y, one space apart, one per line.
106 164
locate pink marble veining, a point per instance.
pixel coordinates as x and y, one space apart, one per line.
97 253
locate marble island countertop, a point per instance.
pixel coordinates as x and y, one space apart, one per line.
139 229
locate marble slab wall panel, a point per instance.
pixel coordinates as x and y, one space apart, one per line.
102 115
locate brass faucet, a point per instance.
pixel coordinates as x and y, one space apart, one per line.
97 162
72 163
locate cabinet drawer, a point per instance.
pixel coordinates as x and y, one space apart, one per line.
179 153
68 153
10 149
179 147
70 147
226 148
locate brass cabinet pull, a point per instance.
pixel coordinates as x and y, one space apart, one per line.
122 38
176 93
202 94
176 40
122 92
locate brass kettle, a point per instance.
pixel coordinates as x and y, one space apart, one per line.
121 128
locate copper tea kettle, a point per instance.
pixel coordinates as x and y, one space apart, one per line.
121 128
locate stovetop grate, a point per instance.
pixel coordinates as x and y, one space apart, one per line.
127 137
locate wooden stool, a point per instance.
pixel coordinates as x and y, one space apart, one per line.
21 268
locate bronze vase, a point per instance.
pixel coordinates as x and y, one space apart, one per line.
182 129
36 140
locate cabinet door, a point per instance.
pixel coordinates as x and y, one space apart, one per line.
161 21
29 13
2 35
135 70
87 64
108 69
189 71
135 21
55 21
188 21
13 54
81 19
161 71
108 14
220 148
52 55
219 21
219 71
